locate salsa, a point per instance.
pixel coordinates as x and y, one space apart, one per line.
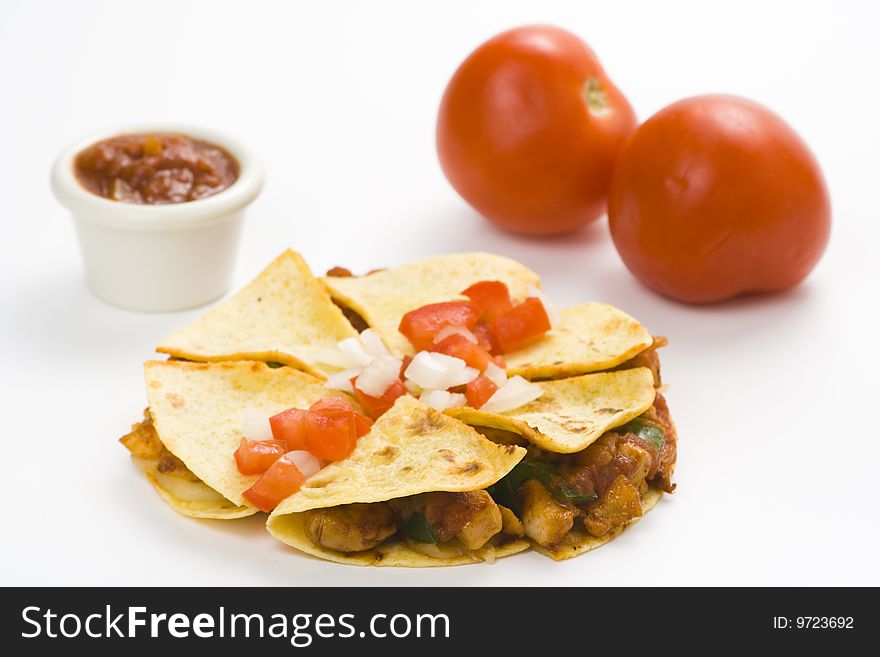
155 168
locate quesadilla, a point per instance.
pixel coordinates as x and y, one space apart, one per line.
193 425
412 493
284 316
601 452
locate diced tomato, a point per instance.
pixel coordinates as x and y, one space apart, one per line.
421 325
484 336
376 406
279 482
479 390
500 362
255 456
406 361
339 406
331 435
332 404
491 297
458 346
290 427
526 321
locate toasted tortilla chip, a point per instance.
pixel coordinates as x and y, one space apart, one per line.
197 408
578 541
384 297
411 449
589 338
284 315
573 413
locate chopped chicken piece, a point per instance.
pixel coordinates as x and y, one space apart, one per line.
544 520
483 527
617 506
143 443
449 513
350 528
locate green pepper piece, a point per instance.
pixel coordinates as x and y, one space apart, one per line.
417 528
650 432
504 490
574 497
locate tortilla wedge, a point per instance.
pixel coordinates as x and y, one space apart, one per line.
574 412
284 315
411 449
589 338
196 412
383 297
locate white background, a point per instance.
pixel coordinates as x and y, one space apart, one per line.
776 399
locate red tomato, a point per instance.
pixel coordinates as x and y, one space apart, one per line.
290 427
421 325
529 128
715 196
336 406
479 390
528 320
279 482
484 337
376 406
255 456
491 297
458 346
331 435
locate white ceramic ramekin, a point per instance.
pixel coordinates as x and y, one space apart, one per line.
159 257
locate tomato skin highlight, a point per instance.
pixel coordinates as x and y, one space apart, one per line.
256 456
525 322
376 406
290 427
484 337
529 128
491 297
422 324
279 482
716 196
459 346
479 391
331 436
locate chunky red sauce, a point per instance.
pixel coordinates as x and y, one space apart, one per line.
154 169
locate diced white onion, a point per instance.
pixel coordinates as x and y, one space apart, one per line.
495 374
456 400
255 424
355 351
435 399
342 380
306 462
550 308
434 371
414 388
513 394
463 377
463 331
373 344
443 399
379 375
